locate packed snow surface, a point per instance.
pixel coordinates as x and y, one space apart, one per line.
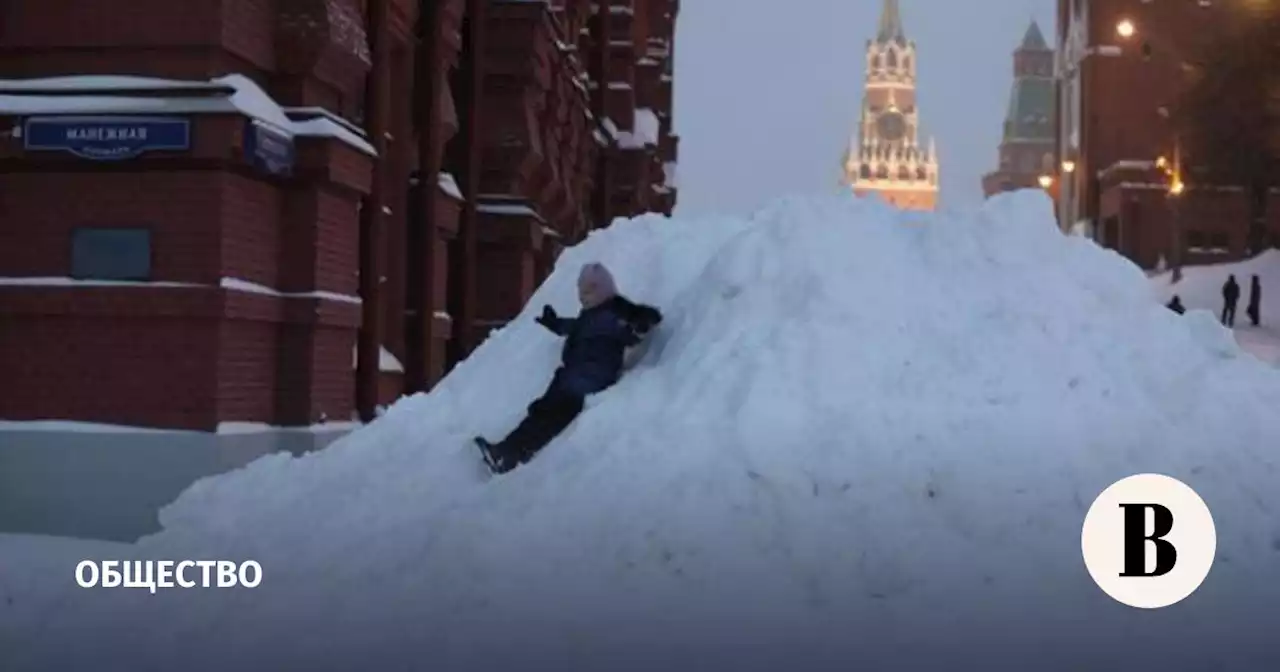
863 439
27 563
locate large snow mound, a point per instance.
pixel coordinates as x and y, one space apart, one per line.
863 437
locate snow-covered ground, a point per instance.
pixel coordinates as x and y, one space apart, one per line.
1201 289
864 439
29 566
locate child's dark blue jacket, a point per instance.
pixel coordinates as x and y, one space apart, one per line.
596 342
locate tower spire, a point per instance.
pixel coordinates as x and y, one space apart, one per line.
1033 40
890 23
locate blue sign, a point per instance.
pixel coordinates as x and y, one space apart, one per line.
107 138
268 149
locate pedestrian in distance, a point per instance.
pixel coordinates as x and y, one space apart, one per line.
1175 304
1230 297
591 360
1255 301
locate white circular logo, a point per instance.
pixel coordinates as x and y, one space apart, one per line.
1149 541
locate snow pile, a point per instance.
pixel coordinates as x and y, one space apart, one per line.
864 439
1201 289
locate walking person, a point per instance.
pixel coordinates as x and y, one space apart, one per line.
592 359
1175 304
1230 297
1254 311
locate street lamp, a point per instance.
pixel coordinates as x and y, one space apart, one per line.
1068 166
1046 181
1173 169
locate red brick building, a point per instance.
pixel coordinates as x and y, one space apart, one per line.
1115 95
288 212
1026 142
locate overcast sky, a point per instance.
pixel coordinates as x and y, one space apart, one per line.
767 92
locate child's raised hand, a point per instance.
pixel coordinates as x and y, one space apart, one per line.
548 317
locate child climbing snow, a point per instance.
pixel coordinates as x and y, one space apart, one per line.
592 358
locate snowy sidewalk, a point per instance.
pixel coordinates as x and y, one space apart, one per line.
1201 289
1262 342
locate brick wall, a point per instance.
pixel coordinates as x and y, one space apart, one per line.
41 210
115 355
247 359
1123 90
87 24
1208 218
250 229
248 30
337 243
185 356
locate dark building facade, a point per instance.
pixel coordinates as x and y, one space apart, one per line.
265 259
224 216
1026 143
1120 73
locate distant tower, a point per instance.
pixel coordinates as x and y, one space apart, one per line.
884 154
1026 145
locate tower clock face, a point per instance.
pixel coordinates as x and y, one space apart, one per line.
891 126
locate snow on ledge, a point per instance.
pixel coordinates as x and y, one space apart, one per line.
509 210
231 284
79 427
75 282
103 84
645 133
450 186
238 285
669 172
114 94
387 362
262 427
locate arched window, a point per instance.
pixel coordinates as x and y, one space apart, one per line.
904 173
875 62
882 173
921 174
906 63
893 58
864 172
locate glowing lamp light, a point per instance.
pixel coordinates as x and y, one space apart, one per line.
1176 187
1161 162
1125 28
1068 166
1046 181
